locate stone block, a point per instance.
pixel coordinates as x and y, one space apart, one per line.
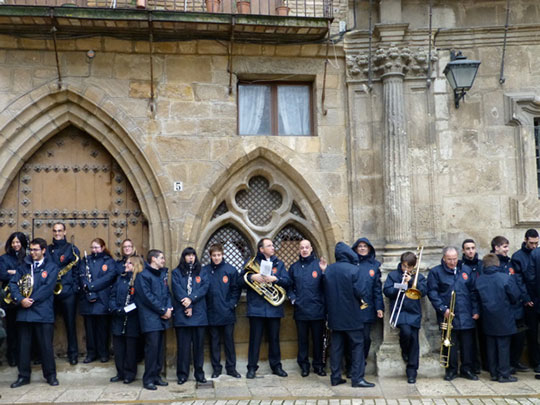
247 49
333 81
117 45
176 91
310 50
187 109
25 58
224 110
5 78
142 46
441 106
174 149
23 82
165 47
211 48
268 50
86 44
28 43
288 50
74 64
187 48
180 126
131 66
139 89
64 45
188 69
210 92
8 41
332 139
218 126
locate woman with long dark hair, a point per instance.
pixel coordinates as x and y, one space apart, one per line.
189 288
98 272
15 249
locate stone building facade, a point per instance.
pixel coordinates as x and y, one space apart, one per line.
387 157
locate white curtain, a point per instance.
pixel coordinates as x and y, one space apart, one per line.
293 106
251 108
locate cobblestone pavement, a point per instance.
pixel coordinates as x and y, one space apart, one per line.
90 384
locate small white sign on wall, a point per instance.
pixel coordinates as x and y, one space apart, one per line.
178 186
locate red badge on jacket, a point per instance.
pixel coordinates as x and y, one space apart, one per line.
274 270
511 271
198 279
104 267
62 258
372 273
465 276
43 274
314 274
225 279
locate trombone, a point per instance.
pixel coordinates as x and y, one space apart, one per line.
446 336
412 293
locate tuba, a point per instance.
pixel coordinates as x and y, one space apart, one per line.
58 286
446 337
274 294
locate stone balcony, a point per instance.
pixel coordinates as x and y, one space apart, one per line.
260 21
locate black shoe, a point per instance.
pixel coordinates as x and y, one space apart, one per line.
305 372
129 380
115 379
160 382
363 384
201 380
104 359
521 367
89 360
73 361
537 369
250 374
469 375
279 372
507 379
320 371
20 382
151 387
215 375
348 374
234 373
477 371
494 378
512 370
52 381
338 382
182 380
450 376
411 380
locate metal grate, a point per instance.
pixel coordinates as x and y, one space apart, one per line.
295 209
259 200
286 244
220 210
237 249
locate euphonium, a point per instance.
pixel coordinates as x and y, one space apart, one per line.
274 294
446 337
25 284
58 287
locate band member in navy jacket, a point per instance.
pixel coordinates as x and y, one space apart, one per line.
262 314
497 292
307 296
35 313
65 303
221 301
449 276
97 276
125 321
410 316
153 301
344 289
371 266
15 254
189 288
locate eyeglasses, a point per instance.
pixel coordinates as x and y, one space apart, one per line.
35 250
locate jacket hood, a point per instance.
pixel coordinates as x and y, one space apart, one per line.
370 255
344 253
492 270
525 248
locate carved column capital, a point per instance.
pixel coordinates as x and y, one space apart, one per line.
392 60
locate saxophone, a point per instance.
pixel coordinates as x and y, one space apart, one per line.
58 287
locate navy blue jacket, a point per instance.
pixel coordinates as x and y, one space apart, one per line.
7 262
411 310
532 278
476 265
152 298
441 282
507 266
223 293
497 292
307 289
344 288
119 294
103 270
369 265
42 310
256 304
61 253
199 289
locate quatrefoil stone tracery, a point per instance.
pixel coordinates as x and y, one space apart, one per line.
259 200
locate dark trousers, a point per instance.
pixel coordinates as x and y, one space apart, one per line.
12 338
67 307
337 348
498 353
153 356
479 347
410 347
190 341
44 340
97 336
225 334
317 329
462 341
531 318
517 342
367 345
125 356
256 327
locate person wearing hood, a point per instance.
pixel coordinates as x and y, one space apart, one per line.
153 300
344 290
189 288
520 262
452 275
35 314
368 265
307 296
63 254
410 314
497 292
262 314
500 246
96 282
222 298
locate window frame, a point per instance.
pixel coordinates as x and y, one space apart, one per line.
274 114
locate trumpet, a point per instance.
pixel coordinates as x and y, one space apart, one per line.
446 337
412 293
274 294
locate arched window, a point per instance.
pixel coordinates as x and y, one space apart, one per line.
236 247
286 244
